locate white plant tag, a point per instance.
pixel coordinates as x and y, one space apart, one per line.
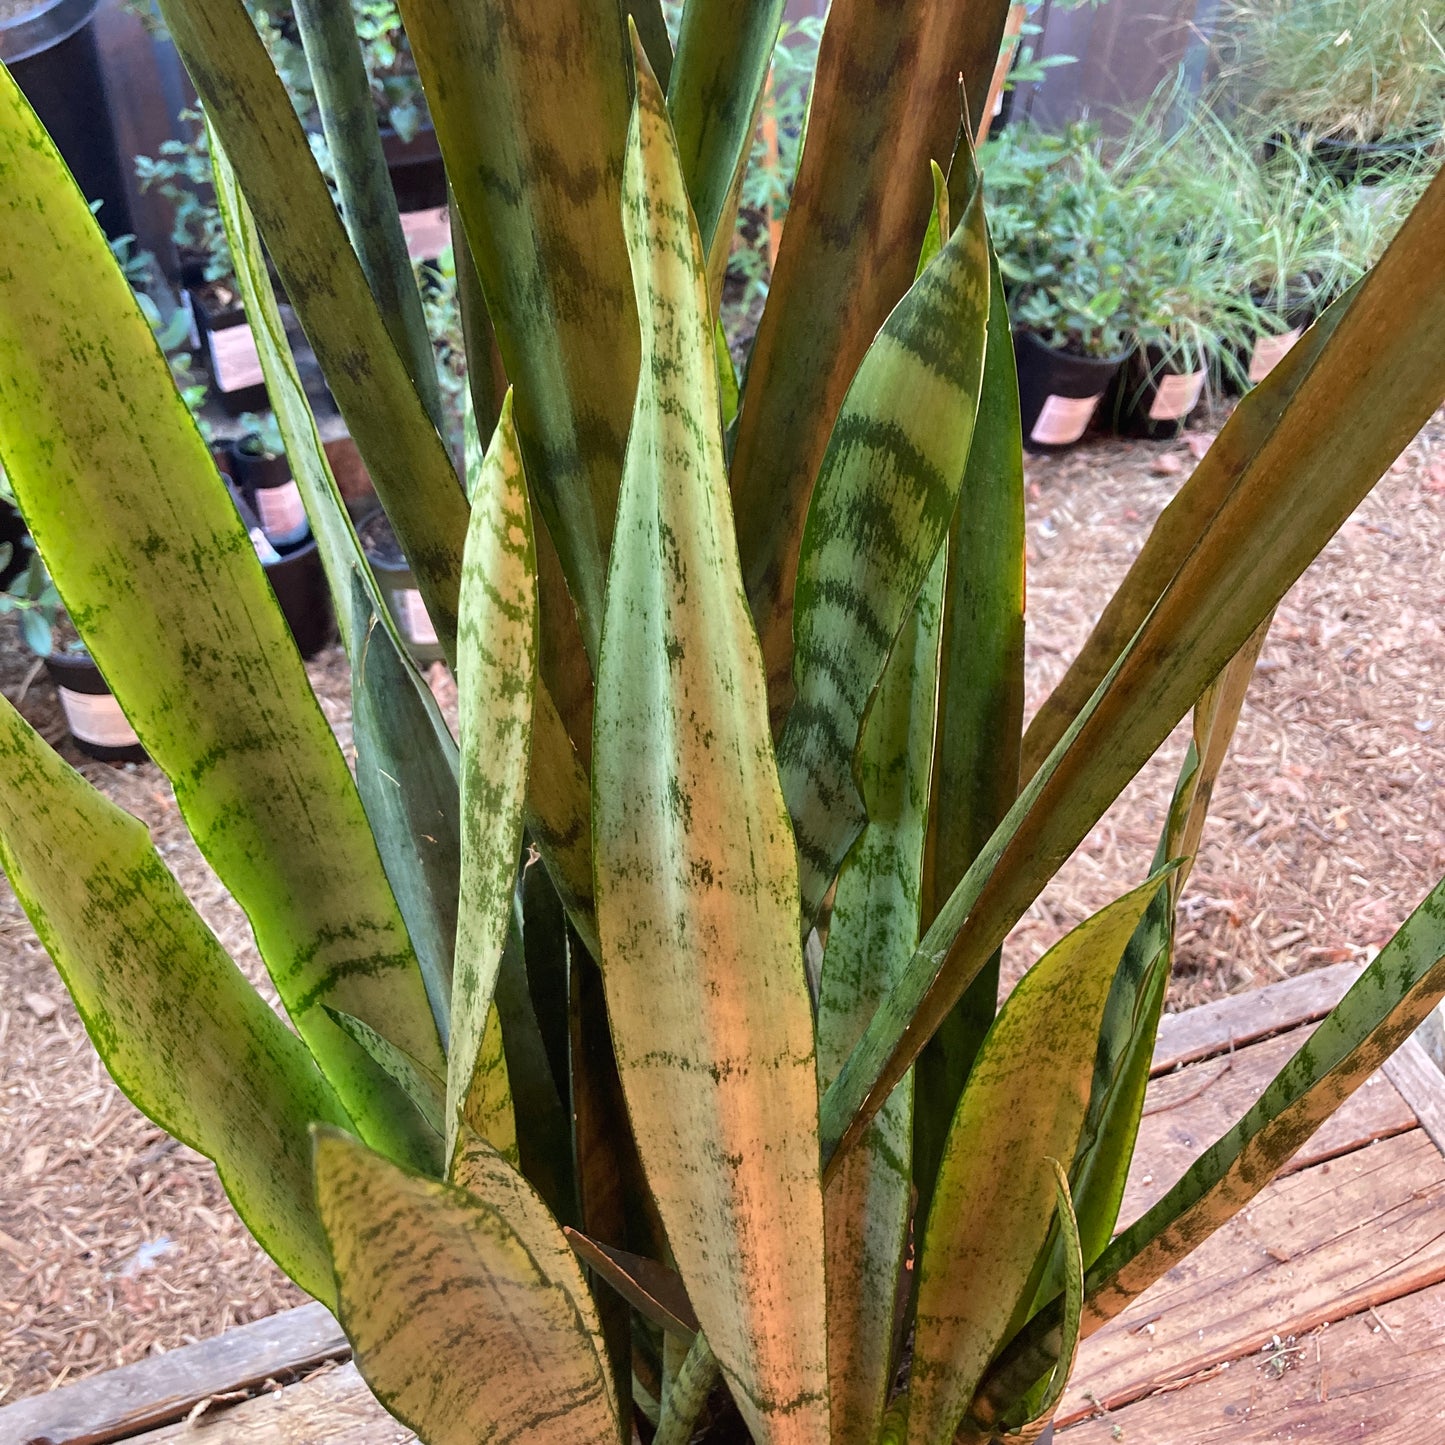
428 233
283 514
415 622
1063 419
1177 396
266 554
193 332
234 362
96 718
1269 352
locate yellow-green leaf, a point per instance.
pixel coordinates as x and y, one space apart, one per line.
884 498
696 881
1023 1106
496 671
182 1032
163 584
466 1308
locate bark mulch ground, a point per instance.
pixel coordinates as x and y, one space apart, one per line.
1328 826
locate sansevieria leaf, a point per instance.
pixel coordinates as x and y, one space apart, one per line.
164 587
407 460
181 1030
497 665
872 933
885 102
530 106
1373 384
883 501
696 891
994 1201
980 714
1387 1003
466 1308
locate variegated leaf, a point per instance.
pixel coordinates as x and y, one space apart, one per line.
696 899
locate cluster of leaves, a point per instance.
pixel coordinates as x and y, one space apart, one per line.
740 684
1366 71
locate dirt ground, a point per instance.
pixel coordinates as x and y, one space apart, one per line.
1328 826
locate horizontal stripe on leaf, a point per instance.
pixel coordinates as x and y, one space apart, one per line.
696 893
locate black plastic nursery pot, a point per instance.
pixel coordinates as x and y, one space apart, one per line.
50 48
1058 391
13 531
266 482
92 714
229 348
1348 161
1150 397
299 581
398 587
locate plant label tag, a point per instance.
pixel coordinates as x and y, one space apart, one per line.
428 233
415 622
96 718
1063 419
234 361
283 516
1269 352
1177 396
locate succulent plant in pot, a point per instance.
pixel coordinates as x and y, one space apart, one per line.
566 1132
1064 229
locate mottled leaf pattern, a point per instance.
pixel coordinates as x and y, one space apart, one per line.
696 899
405 457
537 185
164 586
467 1310
1372 386
180 1029
872 933
723 51
407 775
884 498
496 671
885 103
980 714
994 1202
427 1090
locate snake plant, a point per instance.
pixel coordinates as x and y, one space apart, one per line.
644 1066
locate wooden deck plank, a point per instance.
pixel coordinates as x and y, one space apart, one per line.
122 1402
1243 1018
334 1408
1320 1245
1378 1378
1417 1078
1186 1111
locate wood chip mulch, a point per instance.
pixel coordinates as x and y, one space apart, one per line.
1328 826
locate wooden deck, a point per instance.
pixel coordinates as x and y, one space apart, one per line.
1317 1315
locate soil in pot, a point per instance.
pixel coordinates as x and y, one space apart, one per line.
264 479
1150 397
229 346
92 714
1058 392
398 586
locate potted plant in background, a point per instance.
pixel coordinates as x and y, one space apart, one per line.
1360 84
398 586
1064 230
263 476
92 713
